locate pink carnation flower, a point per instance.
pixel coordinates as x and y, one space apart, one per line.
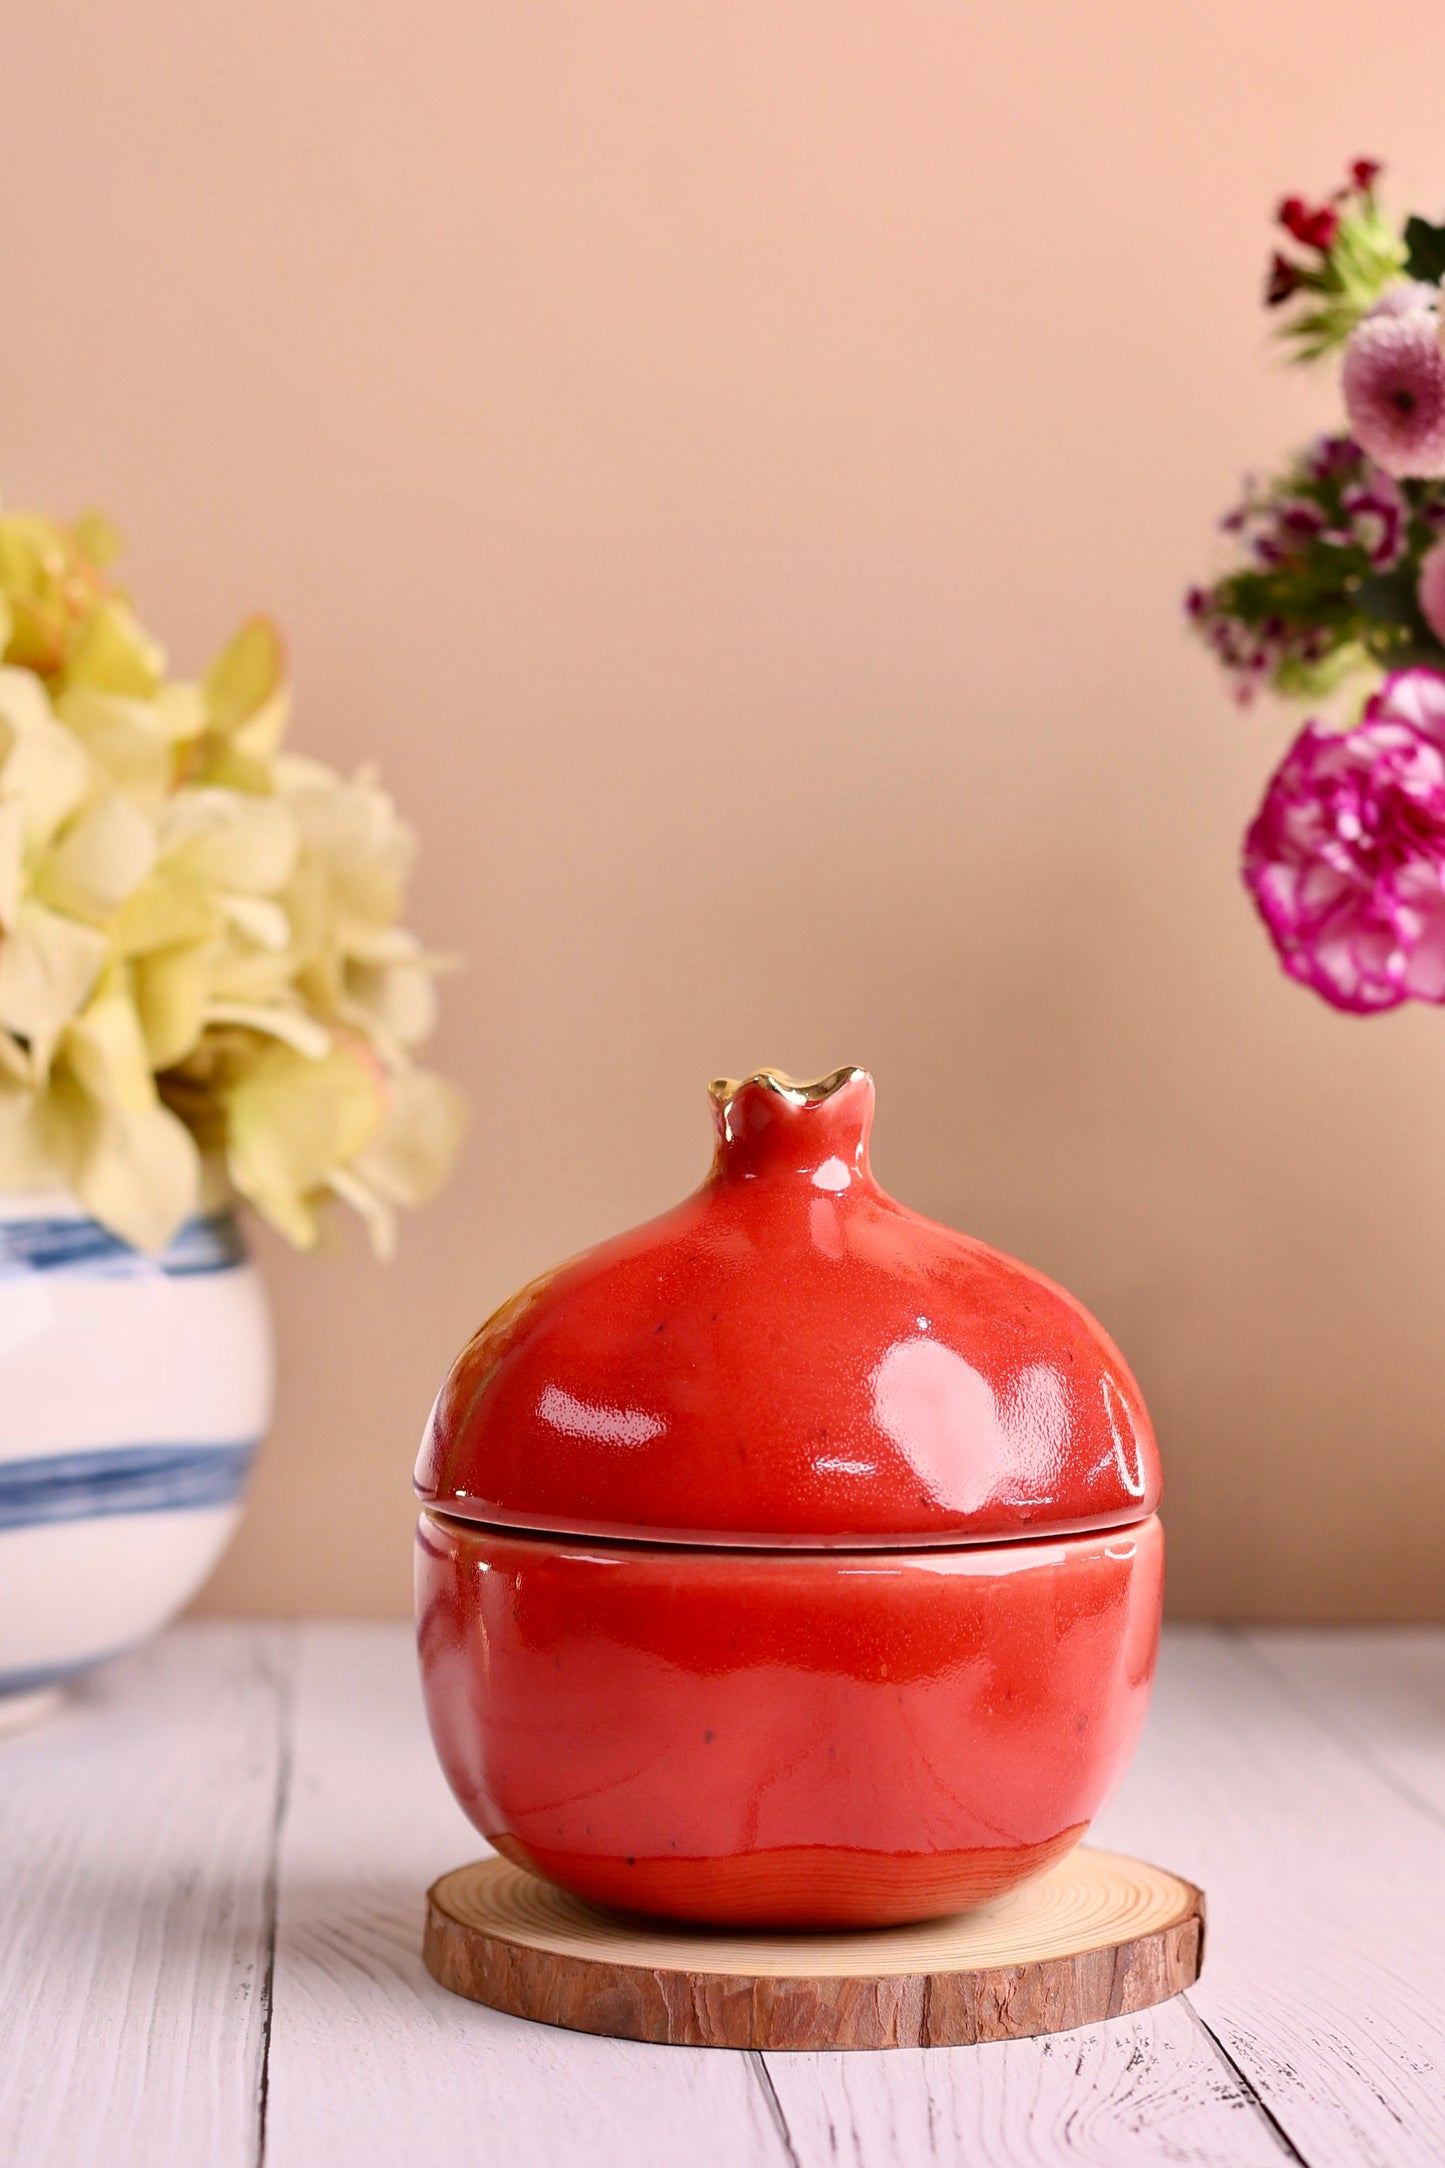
1394 385
1346 856
1431 590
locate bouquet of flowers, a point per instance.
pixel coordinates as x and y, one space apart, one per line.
1340 583
201 969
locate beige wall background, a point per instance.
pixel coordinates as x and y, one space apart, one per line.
735 467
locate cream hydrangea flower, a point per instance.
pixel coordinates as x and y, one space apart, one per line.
199 948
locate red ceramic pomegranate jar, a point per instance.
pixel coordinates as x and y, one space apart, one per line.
792 1560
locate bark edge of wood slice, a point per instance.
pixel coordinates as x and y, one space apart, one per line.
1097 1936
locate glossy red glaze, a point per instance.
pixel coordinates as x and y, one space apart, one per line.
791 1357
869 1690
822 1739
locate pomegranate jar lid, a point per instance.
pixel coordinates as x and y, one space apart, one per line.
790 1357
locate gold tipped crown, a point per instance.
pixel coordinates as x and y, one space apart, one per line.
793 1089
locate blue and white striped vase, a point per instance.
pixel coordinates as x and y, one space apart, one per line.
134 1392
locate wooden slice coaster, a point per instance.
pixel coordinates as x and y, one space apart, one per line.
1095 1937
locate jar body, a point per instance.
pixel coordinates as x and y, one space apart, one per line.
785 1739
134 1392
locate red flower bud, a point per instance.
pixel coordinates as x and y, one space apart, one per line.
1284 280
1312 229
1363 172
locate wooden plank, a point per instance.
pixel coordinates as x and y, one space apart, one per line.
1324 1972
1143 2090
1381 1689
1297 1776
370 2061
136 1830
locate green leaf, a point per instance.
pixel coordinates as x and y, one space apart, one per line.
1426 250
1388 598
1314 680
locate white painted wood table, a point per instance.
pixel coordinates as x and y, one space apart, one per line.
212 1867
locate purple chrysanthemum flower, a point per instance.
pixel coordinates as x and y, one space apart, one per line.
1394 386
1404 296
1346 856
